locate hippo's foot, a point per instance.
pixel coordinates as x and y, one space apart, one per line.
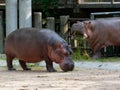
96 57
51 70
23 65
49 66
11 69
26 69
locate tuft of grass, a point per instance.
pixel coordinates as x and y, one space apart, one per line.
77 57
33 64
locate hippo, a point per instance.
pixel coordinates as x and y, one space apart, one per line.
99 33
31 45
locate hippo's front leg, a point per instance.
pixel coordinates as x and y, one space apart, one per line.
49 65
23 65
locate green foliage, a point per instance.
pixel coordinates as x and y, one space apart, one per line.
77 57
78 54
46 5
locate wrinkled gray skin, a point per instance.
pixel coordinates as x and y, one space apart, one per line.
99 33
33 45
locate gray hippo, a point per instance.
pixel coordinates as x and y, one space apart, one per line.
32 45
99 33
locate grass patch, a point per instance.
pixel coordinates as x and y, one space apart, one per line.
76 56
85 57
2 58
109 59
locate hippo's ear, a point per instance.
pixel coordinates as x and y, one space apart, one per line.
90 26
87 23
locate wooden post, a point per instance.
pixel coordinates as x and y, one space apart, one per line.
1 34
25 13
64 24
38 20
11 16
51 23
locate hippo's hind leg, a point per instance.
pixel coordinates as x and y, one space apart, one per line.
9 62
23 65
97 53
49 65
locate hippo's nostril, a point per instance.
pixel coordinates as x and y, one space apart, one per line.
66 65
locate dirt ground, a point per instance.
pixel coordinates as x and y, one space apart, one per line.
40 79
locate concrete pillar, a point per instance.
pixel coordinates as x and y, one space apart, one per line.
51 23
25 13
1 33
11 16
64 24
38 20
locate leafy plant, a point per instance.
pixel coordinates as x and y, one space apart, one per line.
46 5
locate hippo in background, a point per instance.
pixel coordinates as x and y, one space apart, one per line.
32 45
99 33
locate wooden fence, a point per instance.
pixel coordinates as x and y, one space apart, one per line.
65 30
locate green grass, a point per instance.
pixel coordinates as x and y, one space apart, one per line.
2 58
102 59
85 57
109 59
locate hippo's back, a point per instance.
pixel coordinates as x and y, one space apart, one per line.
27 44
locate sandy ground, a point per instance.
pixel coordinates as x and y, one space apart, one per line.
79 79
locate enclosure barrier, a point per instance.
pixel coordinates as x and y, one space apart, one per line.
38 20
51 23
65 29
